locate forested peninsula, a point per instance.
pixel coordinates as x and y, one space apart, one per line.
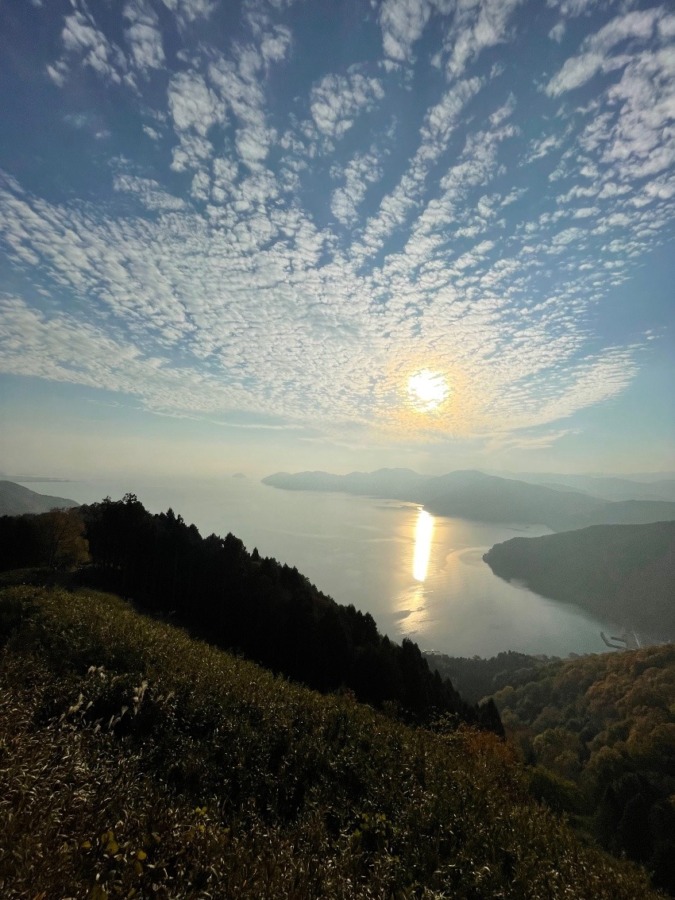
623 574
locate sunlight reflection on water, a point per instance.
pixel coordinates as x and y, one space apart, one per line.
424 532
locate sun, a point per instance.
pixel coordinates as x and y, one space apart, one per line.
427 390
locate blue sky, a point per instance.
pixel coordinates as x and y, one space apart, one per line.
231 234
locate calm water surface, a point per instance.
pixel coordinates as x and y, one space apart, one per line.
419 575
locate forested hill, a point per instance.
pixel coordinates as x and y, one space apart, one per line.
258 607
600 732
477 678
598 735
621 573
484 498
16 500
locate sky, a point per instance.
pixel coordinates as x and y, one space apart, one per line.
336 235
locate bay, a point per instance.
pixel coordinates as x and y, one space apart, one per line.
420 576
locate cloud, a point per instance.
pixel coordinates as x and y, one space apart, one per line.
439 123
149 192
362 170
267 328
193 106
143 35
238 84
527 440
632 139
276 44
286 262
189 11
477 26
557 32
338 99
572 8
402 23
595 50
84 42
541 147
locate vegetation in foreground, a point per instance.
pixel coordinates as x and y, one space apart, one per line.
137 762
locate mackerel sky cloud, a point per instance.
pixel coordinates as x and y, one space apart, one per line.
272 214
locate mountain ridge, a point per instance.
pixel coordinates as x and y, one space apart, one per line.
472 494
15 500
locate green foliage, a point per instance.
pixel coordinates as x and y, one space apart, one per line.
476 678
605 725
556 792
137 762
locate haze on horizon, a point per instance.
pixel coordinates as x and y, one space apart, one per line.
245 237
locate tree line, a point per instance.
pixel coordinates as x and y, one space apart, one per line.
265 610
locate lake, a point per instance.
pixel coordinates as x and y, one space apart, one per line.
419 575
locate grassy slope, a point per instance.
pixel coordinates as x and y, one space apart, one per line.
135 761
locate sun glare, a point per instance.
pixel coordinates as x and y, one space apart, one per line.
427 390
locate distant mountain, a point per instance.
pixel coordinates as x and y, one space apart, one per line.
622 573
394 484
25 479
16 500
487 498
606 487
631 512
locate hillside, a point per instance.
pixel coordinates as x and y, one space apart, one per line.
263 610
487 498
600 734
476 678
16 500
622 573
139 762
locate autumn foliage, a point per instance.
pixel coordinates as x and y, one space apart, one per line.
600 733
